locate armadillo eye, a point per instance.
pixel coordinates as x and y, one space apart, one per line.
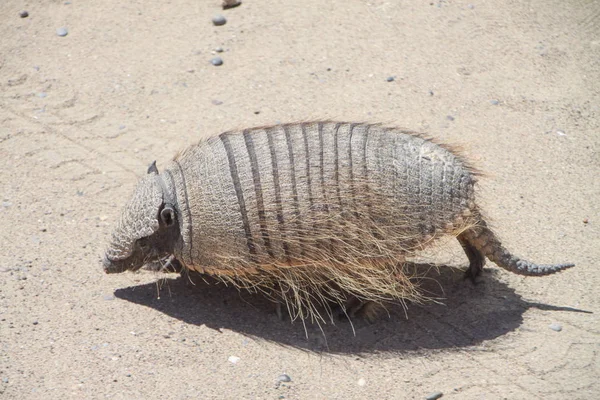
167 215
144 243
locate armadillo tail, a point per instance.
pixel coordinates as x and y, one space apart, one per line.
482 240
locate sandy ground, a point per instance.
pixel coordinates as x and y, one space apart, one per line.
82 116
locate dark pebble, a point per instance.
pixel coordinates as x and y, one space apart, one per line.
434 396
217 102
216 61
219 20
230 4
62 32
390 79
23 14
284 378
35 322
450 118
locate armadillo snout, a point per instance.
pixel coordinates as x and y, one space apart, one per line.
114 266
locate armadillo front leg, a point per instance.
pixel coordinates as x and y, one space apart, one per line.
476 258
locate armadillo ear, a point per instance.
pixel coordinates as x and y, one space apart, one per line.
152 169
167 215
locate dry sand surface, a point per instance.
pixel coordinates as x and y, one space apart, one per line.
82 115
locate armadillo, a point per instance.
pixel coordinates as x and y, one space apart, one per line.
318 207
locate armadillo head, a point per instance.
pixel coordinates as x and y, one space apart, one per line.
148 228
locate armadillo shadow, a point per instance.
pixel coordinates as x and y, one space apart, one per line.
469 315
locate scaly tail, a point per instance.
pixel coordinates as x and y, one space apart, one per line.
480 242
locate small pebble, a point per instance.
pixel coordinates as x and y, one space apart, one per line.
35 322
108 297
5 380
217 102
62 32
233 359
449 117
494 102
6 204
230 4
561 133
471 6
23 14
219 49
434 396
390 79
585 221
555 327
362 382
42 95
284 378
219 20
216 61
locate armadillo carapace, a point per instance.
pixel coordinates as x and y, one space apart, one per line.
319 207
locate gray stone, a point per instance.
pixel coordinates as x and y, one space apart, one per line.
216 61
62 32
434 396
555 327
219 20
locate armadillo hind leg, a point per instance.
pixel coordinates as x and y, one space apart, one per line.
480 240
355 307
476 258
